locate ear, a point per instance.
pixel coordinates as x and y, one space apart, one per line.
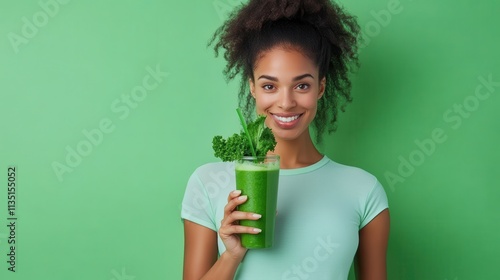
252 87
322 87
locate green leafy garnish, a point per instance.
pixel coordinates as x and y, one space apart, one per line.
237 146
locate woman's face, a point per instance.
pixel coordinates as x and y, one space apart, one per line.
286 88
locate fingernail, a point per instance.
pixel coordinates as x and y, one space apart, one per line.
257 230
236 191
243 197
257 215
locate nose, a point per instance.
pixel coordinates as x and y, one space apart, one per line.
286 100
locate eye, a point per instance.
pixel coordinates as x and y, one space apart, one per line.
268 87
303 86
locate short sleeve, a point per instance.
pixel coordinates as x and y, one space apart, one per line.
196 205
375 203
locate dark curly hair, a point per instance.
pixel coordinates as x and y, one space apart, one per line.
320 29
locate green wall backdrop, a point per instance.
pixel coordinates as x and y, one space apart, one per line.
108 106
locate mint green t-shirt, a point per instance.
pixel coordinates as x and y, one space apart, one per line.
321 209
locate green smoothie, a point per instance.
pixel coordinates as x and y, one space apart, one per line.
259 181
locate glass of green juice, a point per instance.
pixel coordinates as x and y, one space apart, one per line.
257 177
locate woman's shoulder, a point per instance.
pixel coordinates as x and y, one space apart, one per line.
209 167
354 182
349 173
218 172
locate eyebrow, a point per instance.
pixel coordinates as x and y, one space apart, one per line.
276 79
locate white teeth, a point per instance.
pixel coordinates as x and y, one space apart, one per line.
288 119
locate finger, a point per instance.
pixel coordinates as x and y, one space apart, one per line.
233 194
239 215
233 203
234 217
236 229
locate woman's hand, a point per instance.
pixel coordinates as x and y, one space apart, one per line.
230 228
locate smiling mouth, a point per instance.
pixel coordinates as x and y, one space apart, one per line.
286 119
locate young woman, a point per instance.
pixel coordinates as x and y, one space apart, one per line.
294 58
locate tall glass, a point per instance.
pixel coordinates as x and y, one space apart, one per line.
258 179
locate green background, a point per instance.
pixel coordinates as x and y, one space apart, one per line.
115 215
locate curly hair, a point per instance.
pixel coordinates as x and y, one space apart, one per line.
320 29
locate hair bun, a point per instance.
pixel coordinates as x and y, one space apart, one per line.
266 11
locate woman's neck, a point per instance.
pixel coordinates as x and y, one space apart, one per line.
297 153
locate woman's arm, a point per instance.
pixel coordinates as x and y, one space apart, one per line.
200 244
200 250
200 255
370 261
